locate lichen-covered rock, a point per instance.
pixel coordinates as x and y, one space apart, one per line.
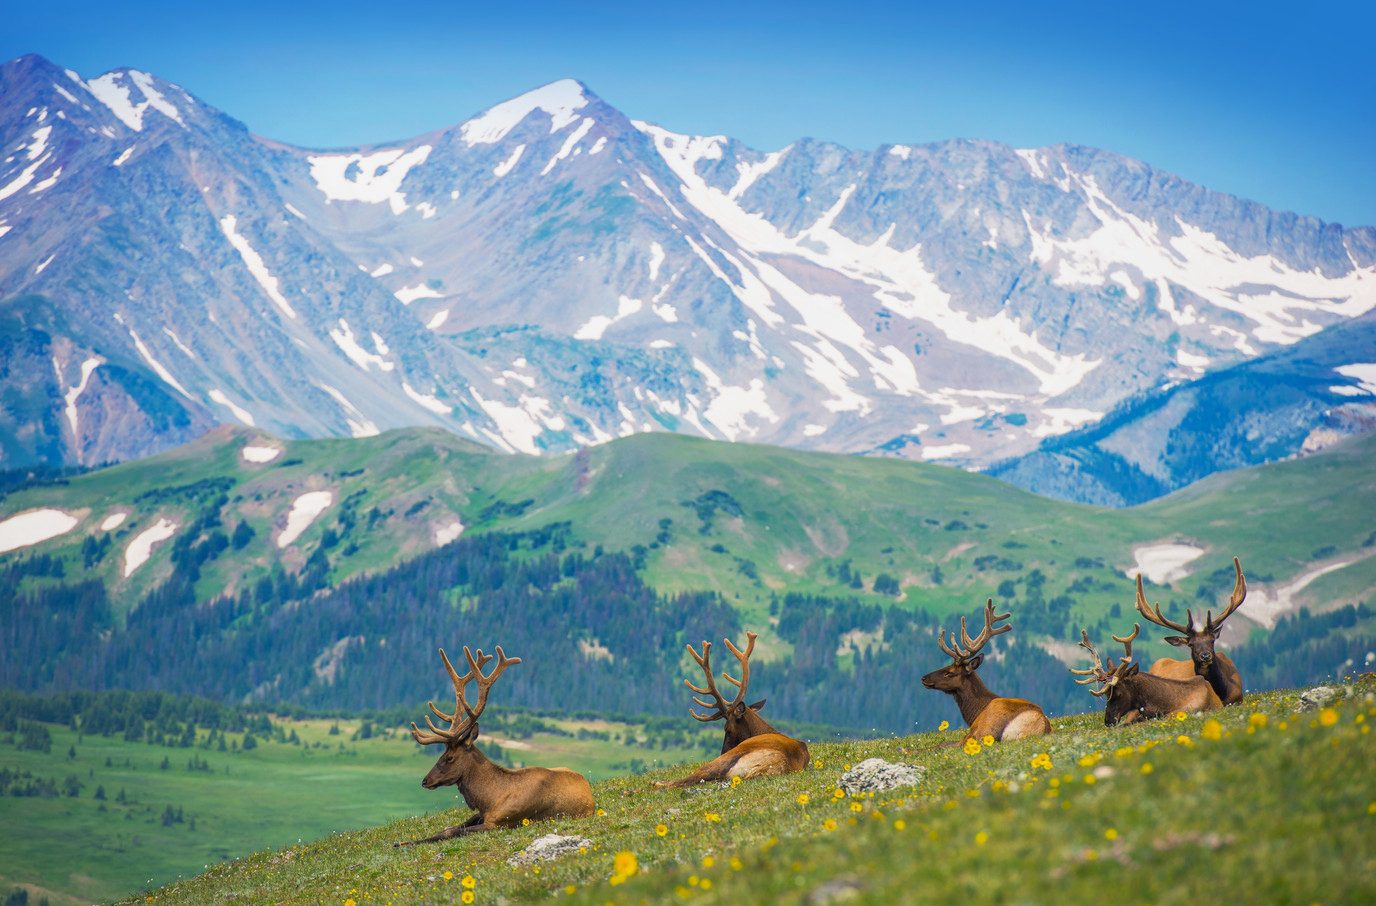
548 848
1317 697
875 775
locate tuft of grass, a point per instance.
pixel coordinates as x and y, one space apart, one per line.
1258 803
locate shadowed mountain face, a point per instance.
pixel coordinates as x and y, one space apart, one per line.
550 274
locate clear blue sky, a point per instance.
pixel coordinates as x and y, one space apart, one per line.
1271 103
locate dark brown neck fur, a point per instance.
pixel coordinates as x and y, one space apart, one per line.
972 698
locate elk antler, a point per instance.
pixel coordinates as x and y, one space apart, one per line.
1096 672
721 705
475 664
1156 617
1239 595
968 647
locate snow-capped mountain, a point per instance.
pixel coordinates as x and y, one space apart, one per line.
550 274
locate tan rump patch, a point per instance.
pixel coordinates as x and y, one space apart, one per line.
758 764
1028 723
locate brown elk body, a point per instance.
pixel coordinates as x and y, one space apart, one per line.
500 797
750 747
1133 695
985 713
1216 667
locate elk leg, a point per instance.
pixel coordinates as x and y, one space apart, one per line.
471 826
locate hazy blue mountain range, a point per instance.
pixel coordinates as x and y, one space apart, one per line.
550 274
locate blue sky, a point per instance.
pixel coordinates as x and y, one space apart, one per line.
1272 103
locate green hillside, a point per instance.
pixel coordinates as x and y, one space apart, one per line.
749 521
1162 812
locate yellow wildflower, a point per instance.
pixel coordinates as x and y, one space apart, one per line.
468 882
661 830
711 817
569 890
804 798
1146 767
1181 715
625 864
829 825
736 780
943 726
736 863
972 746
987 740
449 876
1183 740
1328 717
348 902
981 838
900 824
708 861
1257 720
706 883
601 813
466 897
838 793
525 822
856 807
1111 834
1212 730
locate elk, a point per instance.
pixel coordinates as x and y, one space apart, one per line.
500 797
985 713
1216 667
1133 695
750 747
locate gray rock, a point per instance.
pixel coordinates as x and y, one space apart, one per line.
875 775
837 890
1317 697
547 849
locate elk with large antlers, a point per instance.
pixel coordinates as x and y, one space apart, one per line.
500 797
1214 666
751 747
1133 695
985 713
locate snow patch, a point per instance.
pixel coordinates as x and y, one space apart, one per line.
505 166
448 533
1363 372
153 363
944 451
304 510
141 548
1163 563
88 367
242 414
359 424
426 401
574 138
558 99
111 90
656 259
381 270
598 324
124 156
437 319
113 521
34 527
408 294
254 453
343 337
254 262
369 178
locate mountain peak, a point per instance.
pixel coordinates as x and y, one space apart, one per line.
558 99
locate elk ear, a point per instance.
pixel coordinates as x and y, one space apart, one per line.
973 663
1132 671
1178 641
470 734
758 706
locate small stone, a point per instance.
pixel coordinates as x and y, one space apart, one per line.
548 848
875 775
1317 697
837 890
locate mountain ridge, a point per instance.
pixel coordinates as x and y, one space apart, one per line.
570 275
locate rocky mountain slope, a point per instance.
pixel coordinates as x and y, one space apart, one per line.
1296 401
550 274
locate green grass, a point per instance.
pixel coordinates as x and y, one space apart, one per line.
794 518
79 850
1282 811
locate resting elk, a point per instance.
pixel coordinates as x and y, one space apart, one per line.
500 797
985 713
1133 695
751 747
1217 668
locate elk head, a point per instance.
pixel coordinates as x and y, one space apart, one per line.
1122 706
742 721
965 656
1200 640
459 751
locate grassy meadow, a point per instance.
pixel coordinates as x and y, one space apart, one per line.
1259 803
80 849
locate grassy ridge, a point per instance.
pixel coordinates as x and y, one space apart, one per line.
80 849
1259 803
750 521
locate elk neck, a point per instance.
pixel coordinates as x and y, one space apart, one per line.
972 697
482 781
